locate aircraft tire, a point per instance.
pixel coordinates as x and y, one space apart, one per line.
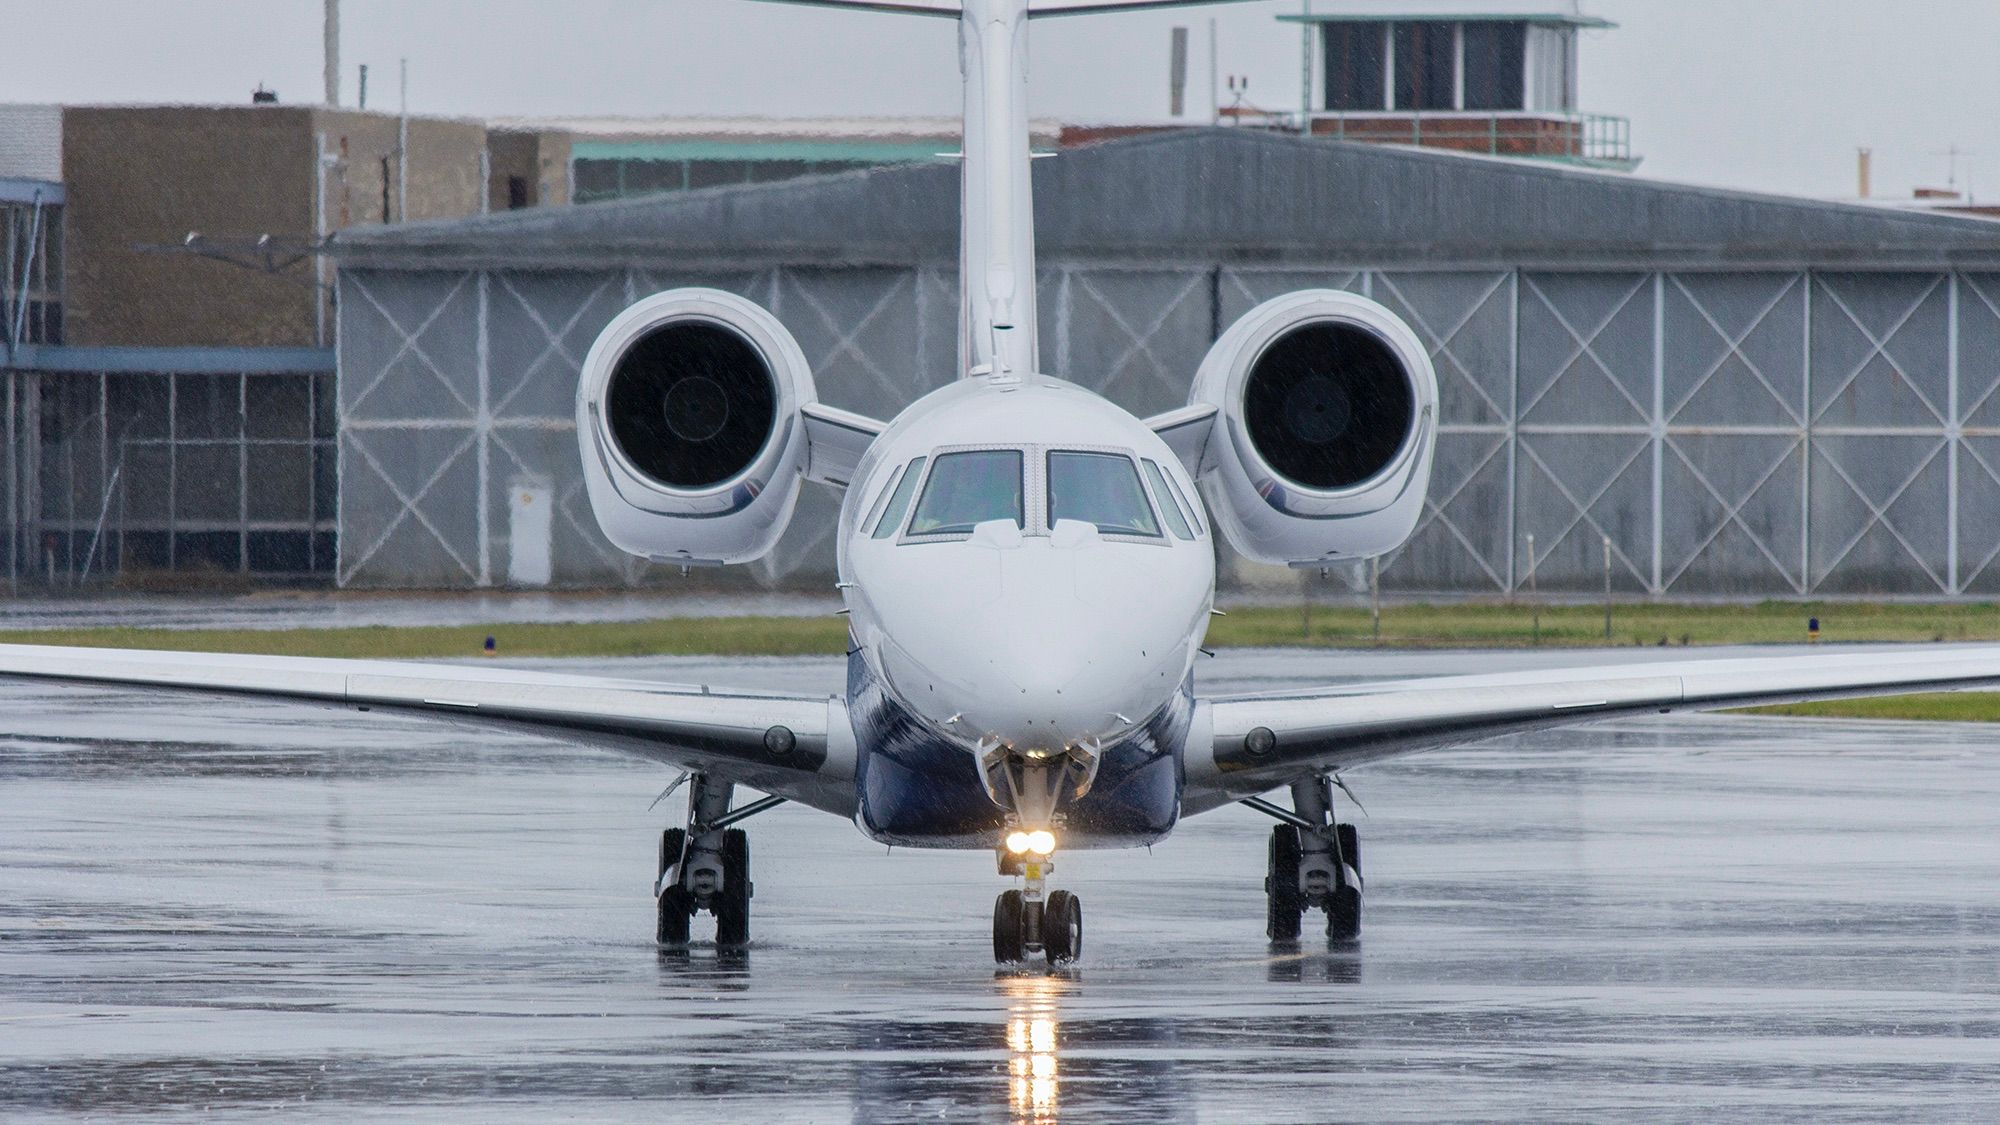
673 844
676 911
1062 928
1343 915
1350 848
732 904
1285 905
1007 911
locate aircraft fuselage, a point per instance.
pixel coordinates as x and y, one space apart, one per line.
1025 614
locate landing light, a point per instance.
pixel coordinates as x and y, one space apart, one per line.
1040 841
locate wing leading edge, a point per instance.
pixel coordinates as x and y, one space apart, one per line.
796 747
1344 727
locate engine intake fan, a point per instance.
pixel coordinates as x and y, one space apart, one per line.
688 414
1327 407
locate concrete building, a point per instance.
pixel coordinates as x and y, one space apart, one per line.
528 167
257 186
168 366
1748 395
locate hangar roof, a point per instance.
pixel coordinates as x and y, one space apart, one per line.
1220 195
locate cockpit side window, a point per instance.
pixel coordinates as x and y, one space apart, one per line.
1187 502
882 500
899 500
1176 522
1192 502
969 488
1100 488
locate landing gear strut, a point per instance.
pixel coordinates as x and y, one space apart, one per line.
1314 862
706 866
1027 921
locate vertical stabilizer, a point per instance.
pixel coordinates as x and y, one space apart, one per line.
997 335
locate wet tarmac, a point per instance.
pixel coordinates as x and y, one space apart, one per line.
219 910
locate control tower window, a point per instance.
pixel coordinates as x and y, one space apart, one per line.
1551 54
1357 65
1494 54
1424 63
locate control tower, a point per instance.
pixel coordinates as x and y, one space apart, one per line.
1487 76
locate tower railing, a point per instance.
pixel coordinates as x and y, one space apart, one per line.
1587 138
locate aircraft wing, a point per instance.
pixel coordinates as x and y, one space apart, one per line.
1318 732
790 746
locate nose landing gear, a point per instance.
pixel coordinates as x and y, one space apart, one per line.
1027 921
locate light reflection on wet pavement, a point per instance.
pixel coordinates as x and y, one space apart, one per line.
215 909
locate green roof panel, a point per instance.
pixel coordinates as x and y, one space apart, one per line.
714 148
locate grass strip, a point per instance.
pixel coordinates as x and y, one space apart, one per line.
1515 625
708 636
1943 707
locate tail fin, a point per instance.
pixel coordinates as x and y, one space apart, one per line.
996 258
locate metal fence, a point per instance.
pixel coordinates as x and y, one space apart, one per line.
117 474
1733 433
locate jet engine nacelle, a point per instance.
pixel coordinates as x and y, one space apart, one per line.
687 412
1327 418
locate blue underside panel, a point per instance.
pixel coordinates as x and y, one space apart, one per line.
920 790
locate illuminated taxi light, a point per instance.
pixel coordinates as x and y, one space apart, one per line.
1040 841
1018 842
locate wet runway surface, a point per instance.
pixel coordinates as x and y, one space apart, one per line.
219 909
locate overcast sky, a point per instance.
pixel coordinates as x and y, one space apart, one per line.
1767 94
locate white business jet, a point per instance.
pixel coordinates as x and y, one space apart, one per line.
1029 573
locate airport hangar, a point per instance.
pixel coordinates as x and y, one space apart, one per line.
1748 395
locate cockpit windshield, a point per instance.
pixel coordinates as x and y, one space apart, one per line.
1099 488
970 488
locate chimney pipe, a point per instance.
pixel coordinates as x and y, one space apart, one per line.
1862 158
1177 69
333 52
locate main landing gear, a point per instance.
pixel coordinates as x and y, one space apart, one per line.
1030 920
706 866
1314 862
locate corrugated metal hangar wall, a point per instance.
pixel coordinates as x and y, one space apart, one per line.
1748 396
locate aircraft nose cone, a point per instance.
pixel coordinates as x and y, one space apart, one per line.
1050 709
1074 679
1050 648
